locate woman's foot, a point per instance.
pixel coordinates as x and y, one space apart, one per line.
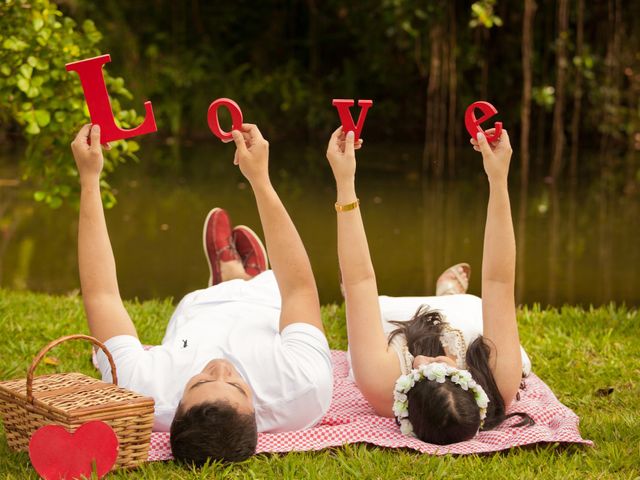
454 280
223 259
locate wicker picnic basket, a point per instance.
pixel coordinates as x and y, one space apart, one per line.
71 399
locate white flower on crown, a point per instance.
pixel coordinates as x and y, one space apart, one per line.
435 371
405 383
481 398
463 378
439 372
401 397
401 409
406 428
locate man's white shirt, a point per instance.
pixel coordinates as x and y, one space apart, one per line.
289 372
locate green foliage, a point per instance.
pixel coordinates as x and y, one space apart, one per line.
410 16
544 96
283 66
482 14
590 357
46 102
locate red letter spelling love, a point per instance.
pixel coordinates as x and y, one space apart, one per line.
214 123
473 124
97 97
344 111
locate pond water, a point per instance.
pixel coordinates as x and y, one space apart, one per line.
573 247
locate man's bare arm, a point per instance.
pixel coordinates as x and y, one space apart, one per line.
106 314
288 257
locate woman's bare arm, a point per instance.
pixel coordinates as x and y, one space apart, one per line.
500 327
375 367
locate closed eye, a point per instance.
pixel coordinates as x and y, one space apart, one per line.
239 388
202 382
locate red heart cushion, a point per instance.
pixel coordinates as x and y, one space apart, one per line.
57 454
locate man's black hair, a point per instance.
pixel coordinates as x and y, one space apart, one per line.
213 431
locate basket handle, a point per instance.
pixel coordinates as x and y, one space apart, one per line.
43 352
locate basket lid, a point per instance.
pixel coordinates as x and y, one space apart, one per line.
74 396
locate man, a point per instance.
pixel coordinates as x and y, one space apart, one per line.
246 355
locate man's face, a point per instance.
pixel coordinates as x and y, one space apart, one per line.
218 381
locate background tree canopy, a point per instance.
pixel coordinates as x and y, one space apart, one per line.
40 99
565 76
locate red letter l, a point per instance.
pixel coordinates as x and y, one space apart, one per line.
97 97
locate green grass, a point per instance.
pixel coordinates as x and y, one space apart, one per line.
579 353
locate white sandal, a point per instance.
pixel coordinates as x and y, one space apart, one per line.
446 285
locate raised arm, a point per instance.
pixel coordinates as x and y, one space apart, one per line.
289 260
498 270
105 311
375 367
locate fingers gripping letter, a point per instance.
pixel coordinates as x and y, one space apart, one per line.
473 124
344 111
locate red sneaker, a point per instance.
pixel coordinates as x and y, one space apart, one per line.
217 242
251 250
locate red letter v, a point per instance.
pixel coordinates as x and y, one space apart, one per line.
343 107
97 97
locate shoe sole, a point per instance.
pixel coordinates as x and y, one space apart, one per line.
260 244
204 243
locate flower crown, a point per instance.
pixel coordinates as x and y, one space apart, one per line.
439 372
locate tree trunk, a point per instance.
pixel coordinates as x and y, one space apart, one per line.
453 88
525 112
573 162
577 96
313 38
525 125
541 117
607 186
521 239
612 88
433 220
313 54
429 158
555 223
558 111
441 126
196 17
572 250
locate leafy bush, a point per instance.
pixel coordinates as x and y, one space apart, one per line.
46 102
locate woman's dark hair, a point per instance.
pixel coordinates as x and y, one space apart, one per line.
213 431
444 413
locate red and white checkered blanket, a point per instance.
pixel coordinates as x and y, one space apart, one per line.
351 419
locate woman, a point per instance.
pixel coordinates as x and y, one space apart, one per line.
439 378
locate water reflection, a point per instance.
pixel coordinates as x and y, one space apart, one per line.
576 243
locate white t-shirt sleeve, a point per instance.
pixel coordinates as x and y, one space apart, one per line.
307 341
310 349
306 364
147 372
126 351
